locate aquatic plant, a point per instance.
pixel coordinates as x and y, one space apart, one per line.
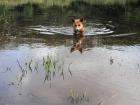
53 66
76 98
23 73
48 64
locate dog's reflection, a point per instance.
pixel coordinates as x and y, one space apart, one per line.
77 43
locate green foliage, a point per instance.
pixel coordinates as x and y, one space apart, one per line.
65 2
17 2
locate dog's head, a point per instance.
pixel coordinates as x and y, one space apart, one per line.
78 25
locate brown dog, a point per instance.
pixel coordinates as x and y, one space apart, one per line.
78 37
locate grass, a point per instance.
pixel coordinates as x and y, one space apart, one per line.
17 2
50 64
53 66
76 98
47 3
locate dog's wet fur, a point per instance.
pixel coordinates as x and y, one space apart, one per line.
78 35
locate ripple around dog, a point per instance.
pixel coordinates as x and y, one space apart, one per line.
51 30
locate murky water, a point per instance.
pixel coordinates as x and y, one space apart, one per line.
38 65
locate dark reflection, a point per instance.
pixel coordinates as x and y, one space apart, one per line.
111 60
87 42
77 43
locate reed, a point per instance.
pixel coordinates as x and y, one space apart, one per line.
76 98
51 65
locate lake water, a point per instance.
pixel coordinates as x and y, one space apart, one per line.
37 66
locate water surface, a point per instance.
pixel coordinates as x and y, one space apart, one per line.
36 63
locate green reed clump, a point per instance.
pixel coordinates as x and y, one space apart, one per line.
76 98
48 67
53 66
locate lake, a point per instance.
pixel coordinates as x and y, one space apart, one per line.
40 65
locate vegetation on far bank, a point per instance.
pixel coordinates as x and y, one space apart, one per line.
67 2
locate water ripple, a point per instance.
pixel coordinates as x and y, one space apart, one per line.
63 30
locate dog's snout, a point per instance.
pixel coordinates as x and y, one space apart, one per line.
77 29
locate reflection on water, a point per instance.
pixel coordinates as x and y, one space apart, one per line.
115 78
77 43
36 41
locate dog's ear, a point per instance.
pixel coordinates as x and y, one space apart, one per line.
73 20
81 19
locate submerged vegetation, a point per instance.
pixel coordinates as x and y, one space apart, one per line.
52 67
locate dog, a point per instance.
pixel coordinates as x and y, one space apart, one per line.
78 36
78 26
